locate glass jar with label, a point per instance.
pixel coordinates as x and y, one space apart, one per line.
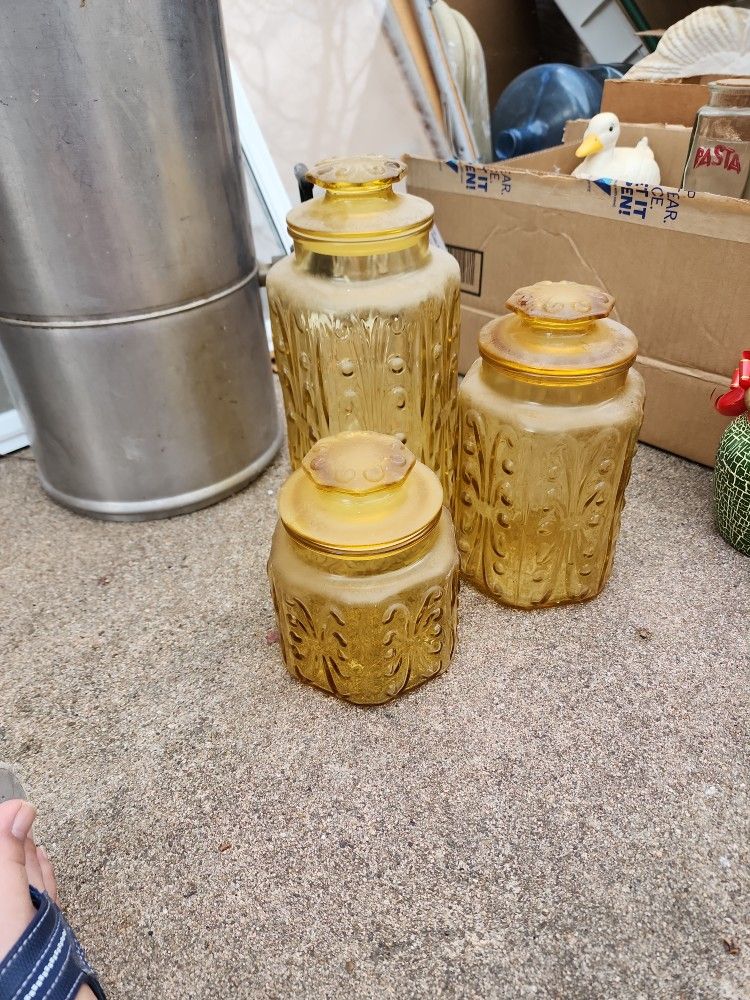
364 570
719 157
365 316
549 418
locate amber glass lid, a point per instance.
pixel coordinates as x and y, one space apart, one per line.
360 213
558 330
360 493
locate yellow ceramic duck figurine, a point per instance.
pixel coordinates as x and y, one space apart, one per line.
604 159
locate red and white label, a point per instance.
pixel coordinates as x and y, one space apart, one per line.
719 155
721 167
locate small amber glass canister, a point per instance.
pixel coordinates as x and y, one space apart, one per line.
364 570
365 316
549 421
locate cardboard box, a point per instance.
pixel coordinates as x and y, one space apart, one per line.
676 261
670 102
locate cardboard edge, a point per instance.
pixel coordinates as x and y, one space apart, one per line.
575 127
679 415
709 214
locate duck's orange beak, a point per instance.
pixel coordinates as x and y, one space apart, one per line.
591 144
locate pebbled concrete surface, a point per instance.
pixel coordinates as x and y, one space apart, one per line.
564 814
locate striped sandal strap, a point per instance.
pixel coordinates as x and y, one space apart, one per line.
47 962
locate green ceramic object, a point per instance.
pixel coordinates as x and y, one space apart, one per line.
732 484
732 470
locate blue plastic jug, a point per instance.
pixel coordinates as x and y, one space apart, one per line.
532 110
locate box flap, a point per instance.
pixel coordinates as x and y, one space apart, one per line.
657 101
549 186
679 414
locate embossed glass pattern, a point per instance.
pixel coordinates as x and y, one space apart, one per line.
365 317
364 570
549 420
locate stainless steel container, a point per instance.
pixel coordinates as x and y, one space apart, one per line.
130 323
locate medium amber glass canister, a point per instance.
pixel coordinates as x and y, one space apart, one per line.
549 421
365 316
364 570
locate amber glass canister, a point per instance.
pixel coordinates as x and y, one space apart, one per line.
549 420
364 570
365 316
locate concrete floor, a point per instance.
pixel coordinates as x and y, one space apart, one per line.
564 814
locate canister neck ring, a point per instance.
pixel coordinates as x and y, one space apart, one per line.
343 244
559 334
360 494
360 213
369 552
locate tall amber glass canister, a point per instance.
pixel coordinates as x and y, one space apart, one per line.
364 570
365 316
549 420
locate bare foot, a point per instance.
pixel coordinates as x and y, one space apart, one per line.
22 863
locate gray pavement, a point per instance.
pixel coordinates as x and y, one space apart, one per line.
564 814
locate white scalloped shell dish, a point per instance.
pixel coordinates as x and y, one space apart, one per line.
712 40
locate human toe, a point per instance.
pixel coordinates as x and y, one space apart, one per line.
48 874
33 868
16 819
